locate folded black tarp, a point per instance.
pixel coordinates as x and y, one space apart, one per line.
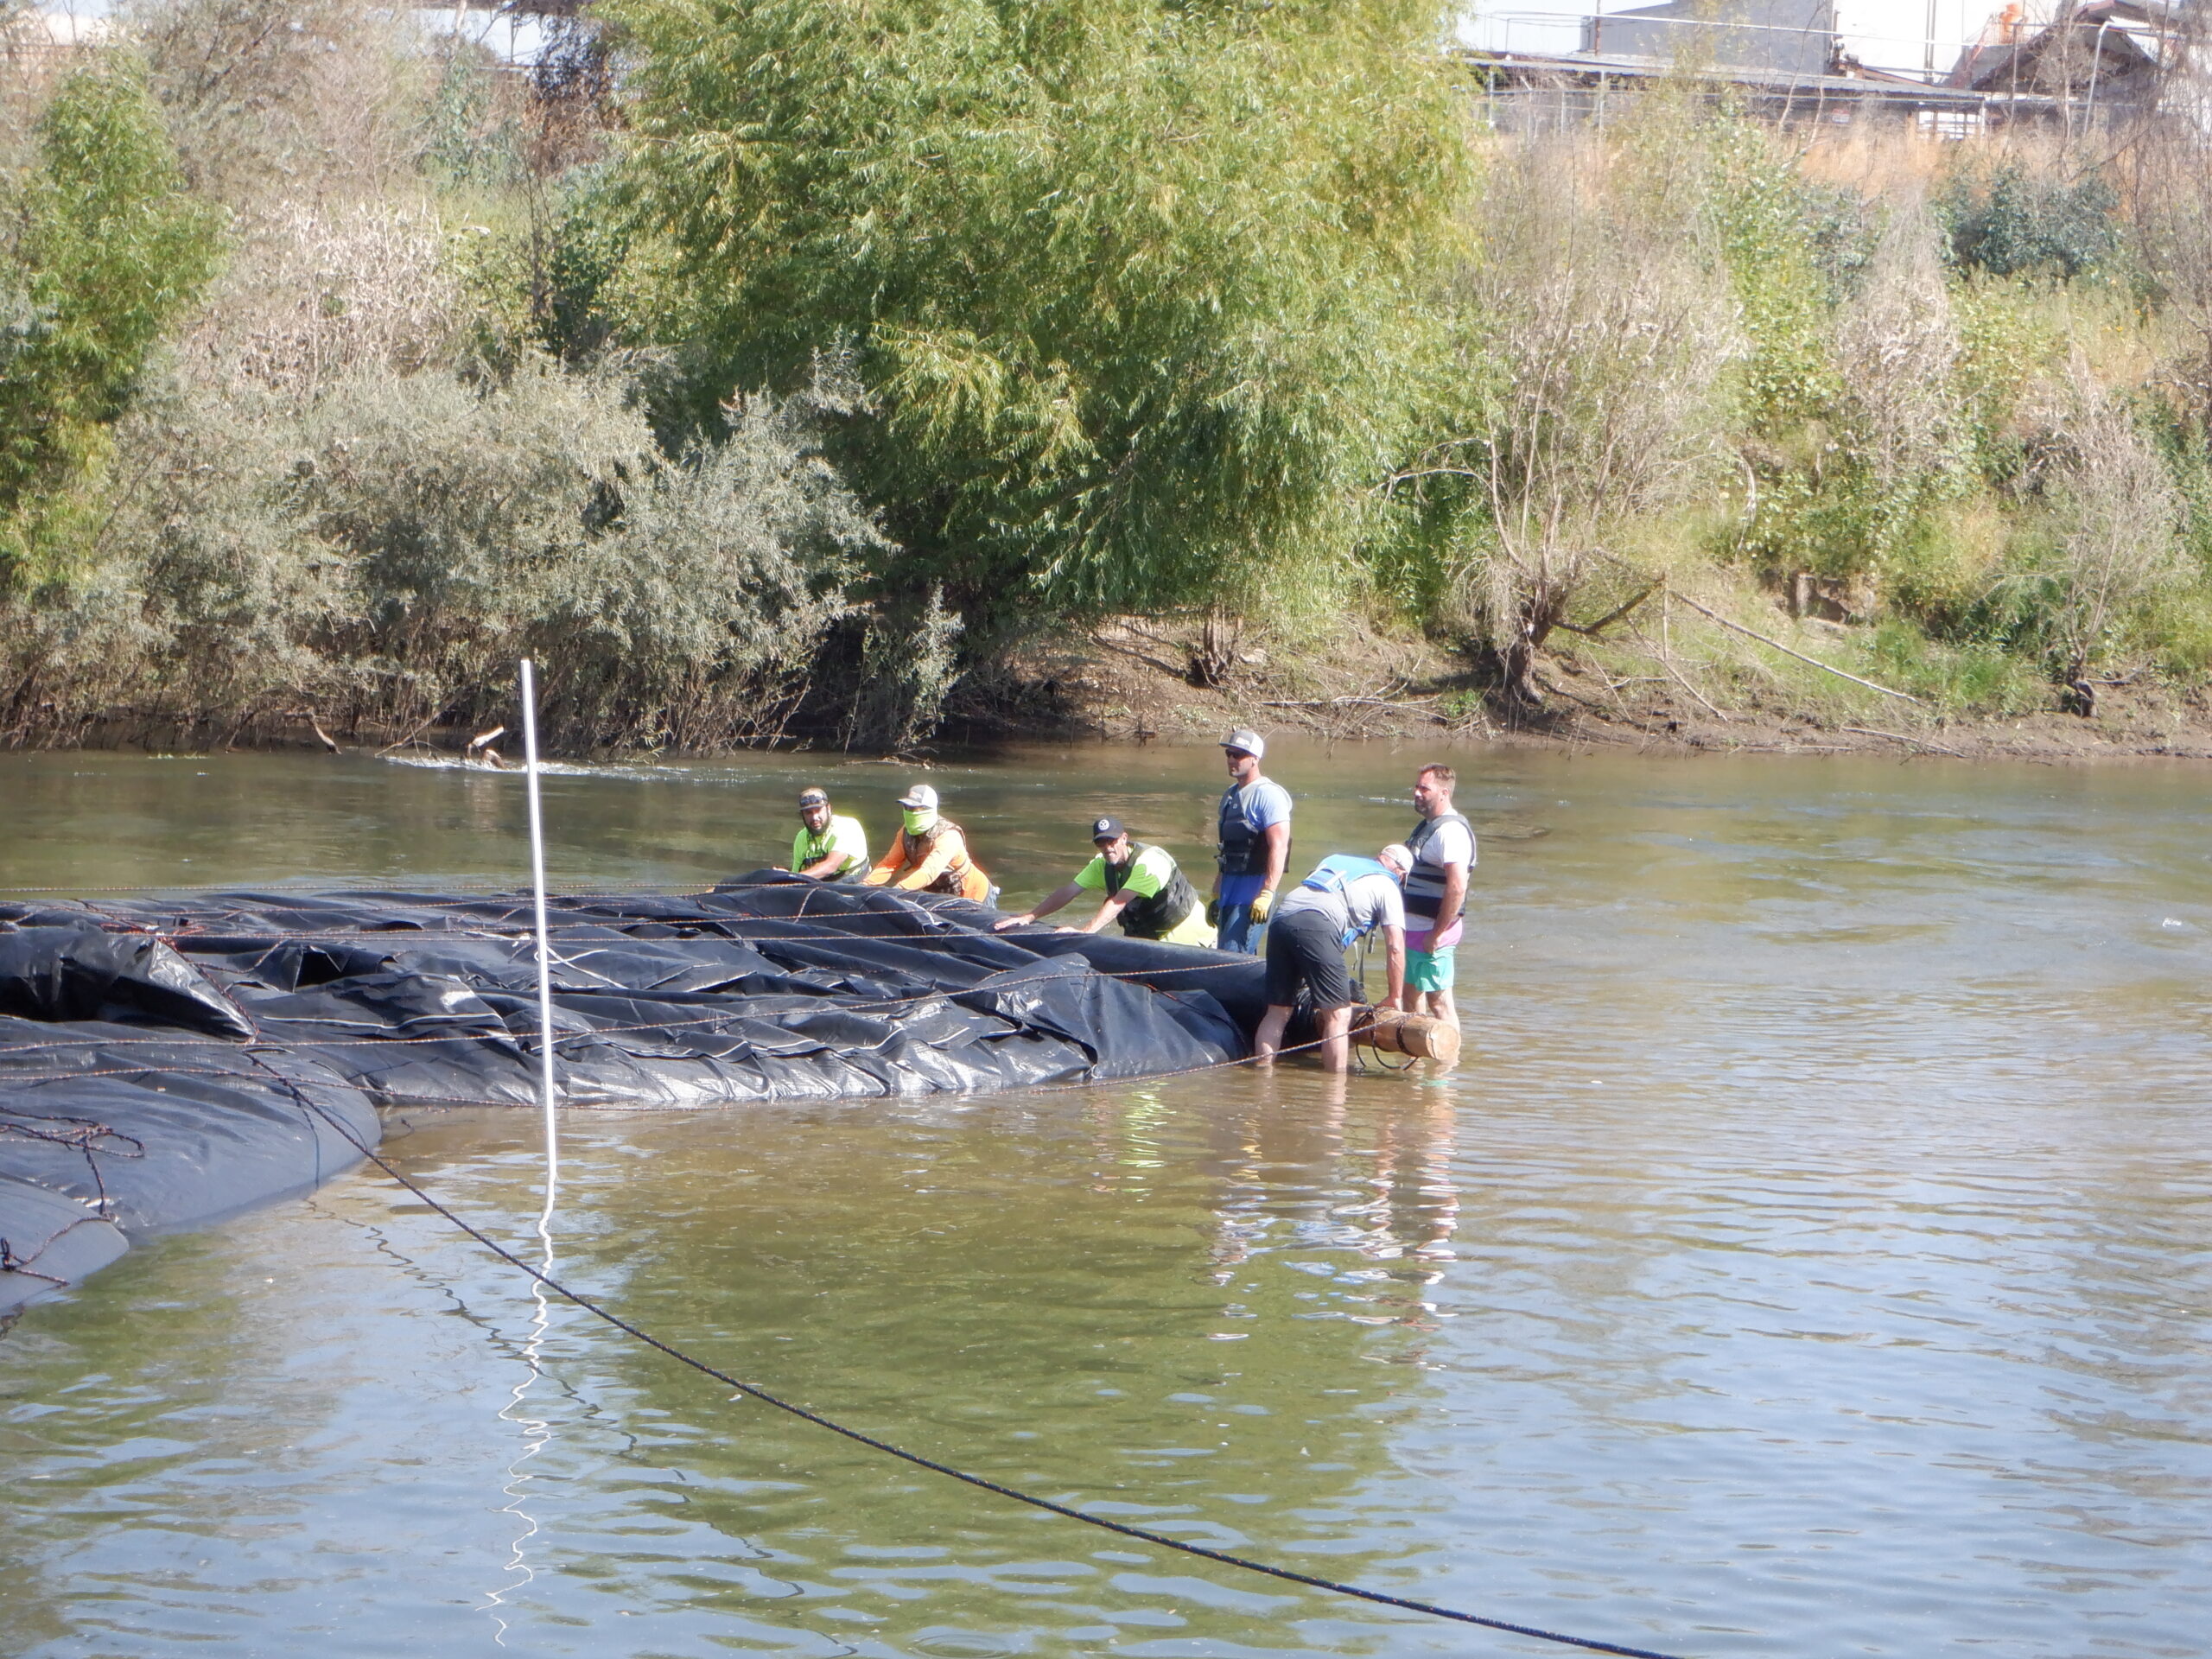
166 1061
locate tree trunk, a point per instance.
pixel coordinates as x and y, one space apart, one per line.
1538 613
1217 654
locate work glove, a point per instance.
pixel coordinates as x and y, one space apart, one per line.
1262 902
1213 913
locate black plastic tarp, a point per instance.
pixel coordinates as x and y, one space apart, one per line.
166 1061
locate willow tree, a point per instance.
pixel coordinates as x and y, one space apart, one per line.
101 248
1127 281
1596 333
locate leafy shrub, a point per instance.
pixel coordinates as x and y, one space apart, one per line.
280 103
2013 224
2173 630
1605 341
385 551
99 250
907 667
2109 540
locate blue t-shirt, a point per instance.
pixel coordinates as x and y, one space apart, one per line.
1266 806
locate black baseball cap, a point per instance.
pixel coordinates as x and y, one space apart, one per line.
1108 829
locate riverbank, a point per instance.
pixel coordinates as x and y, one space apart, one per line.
1696 685
1723 670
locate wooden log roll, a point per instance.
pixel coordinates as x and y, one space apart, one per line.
1394 1031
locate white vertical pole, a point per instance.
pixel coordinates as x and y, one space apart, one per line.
544 948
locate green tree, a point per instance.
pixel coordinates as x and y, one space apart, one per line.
1132 285
99 248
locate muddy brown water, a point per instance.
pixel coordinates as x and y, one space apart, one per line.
1812 1256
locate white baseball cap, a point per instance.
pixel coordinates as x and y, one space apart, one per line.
1247 740
1399 853
920 798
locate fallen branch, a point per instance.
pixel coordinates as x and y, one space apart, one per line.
1146 658
314 725
1333 703
418 731
1659 653
1665 660
1591 630
1900 737
1711 707
1753 634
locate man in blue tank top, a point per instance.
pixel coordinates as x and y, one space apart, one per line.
1254 844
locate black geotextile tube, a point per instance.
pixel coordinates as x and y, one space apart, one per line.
159 1056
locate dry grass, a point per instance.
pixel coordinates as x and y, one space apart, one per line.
314 293
1898 349
1875 158
277 105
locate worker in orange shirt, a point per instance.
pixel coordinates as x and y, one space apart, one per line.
930 852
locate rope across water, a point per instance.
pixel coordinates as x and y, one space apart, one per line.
752 1391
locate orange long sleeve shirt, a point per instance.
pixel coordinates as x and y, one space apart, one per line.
947 848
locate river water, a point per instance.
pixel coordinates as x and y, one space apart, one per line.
1813 1255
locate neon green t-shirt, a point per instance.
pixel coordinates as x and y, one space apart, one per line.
1149 878
1153 870
843 836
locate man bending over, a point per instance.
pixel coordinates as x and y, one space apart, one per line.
1345 900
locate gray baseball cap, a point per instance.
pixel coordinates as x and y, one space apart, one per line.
1251 742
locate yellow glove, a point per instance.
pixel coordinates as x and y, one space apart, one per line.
1262 902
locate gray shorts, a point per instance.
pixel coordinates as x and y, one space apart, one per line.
1304 948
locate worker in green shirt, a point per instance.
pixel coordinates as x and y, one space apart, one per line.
1143 890
827 847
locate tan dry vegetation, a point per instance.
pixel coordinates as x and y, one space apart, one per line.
316 292
1872 158
279 107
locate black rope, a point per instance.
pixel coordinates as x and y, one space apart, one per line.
920 1462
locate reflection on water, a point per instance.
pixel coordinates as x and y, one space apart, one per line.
1811 1256
537 1432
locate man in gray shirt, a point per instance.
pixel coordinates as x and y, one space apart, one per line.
1345 900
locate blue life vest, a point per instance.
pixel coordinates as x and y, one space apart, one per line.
1338 871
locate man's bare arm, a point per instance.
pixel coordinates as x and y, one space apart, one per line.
1063 895
1278 839
1455 896
1110 912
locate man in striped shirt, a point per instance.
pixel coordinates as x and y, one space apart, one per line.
1443 846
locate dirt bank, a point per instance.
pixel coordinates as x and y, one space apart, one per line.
1141 679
